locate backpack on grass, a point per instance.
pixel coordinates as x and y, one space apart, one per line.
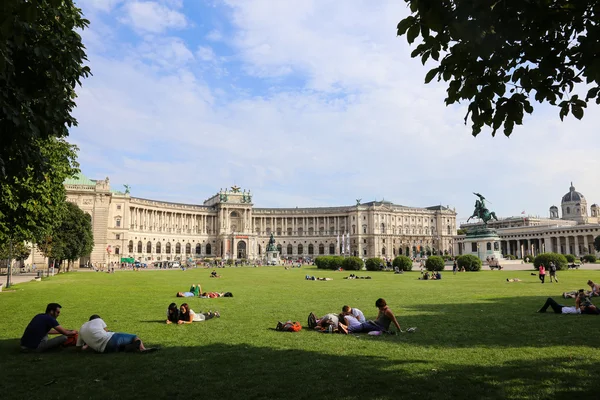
288 326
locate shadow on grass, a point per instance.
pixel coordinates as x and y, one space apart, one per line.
498 322
243 371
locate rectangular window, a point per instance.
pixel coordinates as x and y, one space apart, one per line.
118 223
473 247
118 207
117 236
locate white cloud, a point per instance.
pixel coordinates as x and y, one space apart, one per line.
153 17
360 124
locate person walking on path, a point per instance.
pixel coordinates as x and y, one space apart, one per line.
542 272
552 270
36 334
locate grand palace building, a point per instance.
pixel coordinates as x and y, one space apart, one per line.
228 225
570 231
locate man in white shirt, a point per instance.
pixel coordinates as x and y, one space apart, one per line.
95 335
558 308
347 310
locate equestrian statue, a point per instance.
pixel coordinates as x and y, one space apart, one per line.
481 211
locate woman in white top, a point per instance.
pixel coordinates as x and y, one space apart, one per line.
187 315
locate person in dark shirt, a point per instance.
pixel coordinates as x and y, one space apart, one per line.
36 334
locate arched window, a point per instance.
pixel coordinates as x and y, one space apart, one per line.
168 248
331 248
300 249
321 249
149 247
188 248
208 249
289 250
399 251
130 247
118 222
278 231
158 248
488 246
449 230
382 228
311 249
178 248
139 247
353 229
279 248
383 251
198 249
364 229
234 214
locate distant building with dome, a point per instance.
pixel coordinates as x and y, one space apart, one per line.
573 232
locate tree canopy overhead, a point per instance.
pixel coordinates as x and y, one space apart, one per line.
41 62
499 54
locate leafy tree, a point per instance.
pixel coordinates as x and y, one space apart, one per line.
41 62
469 262
597 243
434 263
72 239
20 251
461 231
402 262
497 54
590 258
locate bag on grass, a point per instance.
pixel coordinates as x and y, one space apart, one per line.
288 326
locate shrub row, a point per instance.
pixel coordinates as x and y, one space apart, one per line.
374 264
337 262
469 262
403 262
435 263
590 258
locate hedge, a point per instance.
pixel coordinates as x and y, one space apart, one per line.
352 264
570 258
402 262
374 264
590 258
469 262
545 258
329 262
434 263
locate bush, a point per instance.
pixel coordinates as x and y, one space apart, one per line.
352 264
229 261
402 262
434 263
590 258
335 262
510 257
374 264
570 258
545 258
469 262
528 258
329 262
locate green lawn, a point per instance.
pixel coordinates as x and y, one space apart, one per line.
478 337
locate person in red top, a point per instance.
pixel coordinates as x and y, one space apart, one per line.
542 272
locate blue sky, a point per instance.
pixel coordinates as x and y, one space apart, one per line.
305 103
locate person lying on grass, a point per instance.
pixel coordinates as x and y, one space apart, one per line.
95 335
513 280
172 314
187 315
327 320
36 334
185 294
385 318
581 307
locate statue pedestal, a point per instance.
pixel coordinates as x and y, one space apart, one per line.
483 243
272 258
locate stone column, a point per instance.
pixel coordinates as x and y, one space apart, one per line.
576 245
586 245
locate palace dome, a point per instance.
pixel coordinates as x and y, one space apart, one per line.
572 196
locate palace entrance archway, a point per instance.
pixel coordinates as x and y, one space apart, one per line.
241 249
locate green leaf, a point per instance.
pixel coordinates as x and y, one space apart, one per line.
431 74
412 33
577 111
405 24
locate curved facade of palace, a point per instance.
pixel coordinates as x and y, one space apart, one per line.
227 225
573 233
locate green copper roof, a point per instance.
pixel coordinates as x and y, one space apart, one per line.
80 179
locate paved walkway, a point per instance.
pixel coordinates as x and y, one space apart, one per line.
17 278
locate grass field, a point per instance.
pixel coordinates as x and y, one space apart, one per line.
478 337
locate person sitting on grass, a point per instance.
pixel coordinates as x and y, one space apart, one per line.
513 280
424 276
187 315
595 288
172 314
214 274
95 335
347 310
36 334
385 316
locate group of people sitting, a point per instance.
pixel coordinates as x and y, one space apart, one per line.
196 291
185 315
352 276
583 303
352 320
433 276
93 335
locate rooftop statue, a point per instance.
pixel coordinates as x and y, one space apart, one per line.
127 189
358 202
235 188
481 210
